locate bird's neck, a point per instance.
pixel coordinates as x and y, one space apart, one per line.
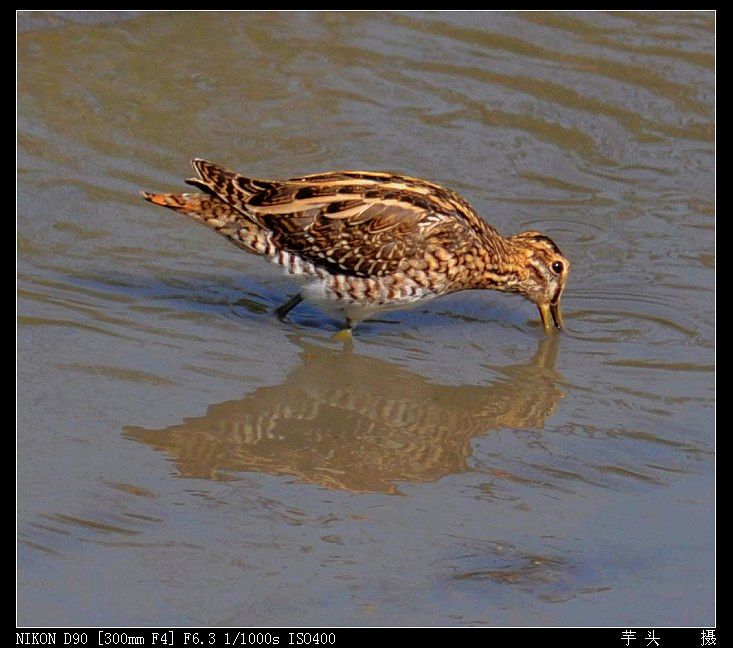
501 263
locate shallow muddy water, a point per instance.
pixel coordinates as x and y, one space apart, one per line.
186 459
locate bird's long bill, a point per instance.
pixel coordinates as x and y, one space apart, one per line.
551 316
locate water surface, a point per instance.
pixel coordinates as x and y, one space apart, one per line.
184 458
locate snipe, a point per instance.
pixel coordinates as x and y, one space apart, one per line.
366 242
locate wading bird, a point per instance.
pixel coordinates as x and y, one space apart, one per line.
365 242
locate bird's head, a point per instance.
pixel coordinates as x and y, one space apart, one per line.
541 274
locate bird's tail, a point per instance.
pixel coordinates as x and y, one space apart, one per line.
216 214
189 203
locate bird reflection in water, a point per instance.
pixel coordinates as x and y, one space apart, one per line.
357 423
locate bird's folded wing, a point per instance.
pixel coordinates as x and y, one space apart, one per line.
357 223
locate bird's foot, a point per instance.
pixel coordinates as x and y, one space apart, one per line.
346 334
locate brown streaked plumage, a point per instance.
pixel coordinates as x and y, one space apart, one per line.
368 241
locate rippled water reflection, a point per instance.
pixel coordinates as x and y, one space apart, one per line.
363 425
186 459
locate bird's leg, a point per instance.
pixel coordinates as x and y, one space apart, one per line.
282 311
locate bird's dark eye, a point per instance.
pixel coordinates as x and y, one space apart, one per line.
557 267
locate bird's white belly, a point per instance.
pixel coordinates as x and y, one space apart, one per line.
350 296
330 296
